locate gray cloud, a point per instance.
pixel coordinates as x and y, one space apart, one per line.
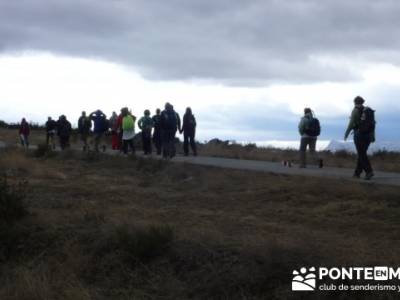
235 42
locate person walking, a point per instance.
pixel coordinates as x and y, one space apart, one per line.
309 129
84 126
24 132
146 125
189 132
100 128
128 131
115 140
51 129
64 132
157 136
362 124
170 124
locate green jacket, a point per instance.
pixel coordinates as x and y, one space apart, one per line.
146 123
354 123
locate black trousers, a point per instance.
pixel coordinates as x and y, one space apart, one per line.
126 144
311 144
362 142
168 143
146 141
157 140
188 138
64 142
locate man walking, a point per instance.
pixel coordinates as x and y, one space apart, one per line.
157 137
309 129
84 126
170 124
189 132
51 128
362 124
100 128
146 125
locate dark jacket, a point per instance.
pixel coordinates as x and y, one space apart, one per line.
84 125
64 128
170 120
189 123
51 125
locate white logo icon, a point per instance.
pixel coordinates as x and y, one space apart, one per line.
304 280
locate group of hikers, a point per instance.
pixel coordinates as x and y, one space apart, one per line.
160 129
362 125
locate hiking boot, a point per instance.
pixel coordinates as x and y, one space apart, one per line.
369 175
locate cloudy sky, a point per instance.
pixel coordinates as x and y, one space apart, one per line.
247 68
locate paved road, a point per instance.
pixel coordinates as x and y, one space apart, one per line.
384 178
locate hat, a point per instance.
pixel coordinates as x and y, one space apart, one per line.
359 100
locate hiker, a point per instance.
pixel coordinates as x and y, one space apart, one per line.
309 129
362 124
170 124
24 132
84 126
189 132
157 137
51 128
115 140
128 131
64 131
146 125
100 128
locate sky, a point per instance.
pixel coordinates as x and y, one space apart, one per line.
246 68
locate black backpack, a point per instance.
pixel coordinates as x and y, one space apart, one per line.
313 127
367 120
170 119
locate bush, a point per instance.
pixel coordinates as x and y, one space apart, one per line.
11 201
138 244
44 150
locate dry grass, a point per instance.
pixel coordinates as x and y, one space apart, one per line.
219 234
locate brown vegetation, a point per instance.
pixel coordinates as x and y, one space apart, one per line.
114 228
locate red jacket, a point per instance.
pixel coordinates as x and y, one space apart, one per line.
24 129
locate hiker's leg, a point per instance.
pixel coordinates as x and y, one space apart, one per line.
125 146
132 145
148 142
173 146
360 150
313 150
158 141
193 143
302 151
186 143
364 144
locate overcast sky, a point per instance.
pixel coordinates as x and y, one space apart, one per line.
247 68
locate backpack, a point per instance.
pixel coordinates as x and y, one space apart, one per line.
313 127
128 123
367 120
170 119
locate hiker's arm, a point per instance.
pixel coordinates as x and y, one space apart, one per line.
352 123
301 126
